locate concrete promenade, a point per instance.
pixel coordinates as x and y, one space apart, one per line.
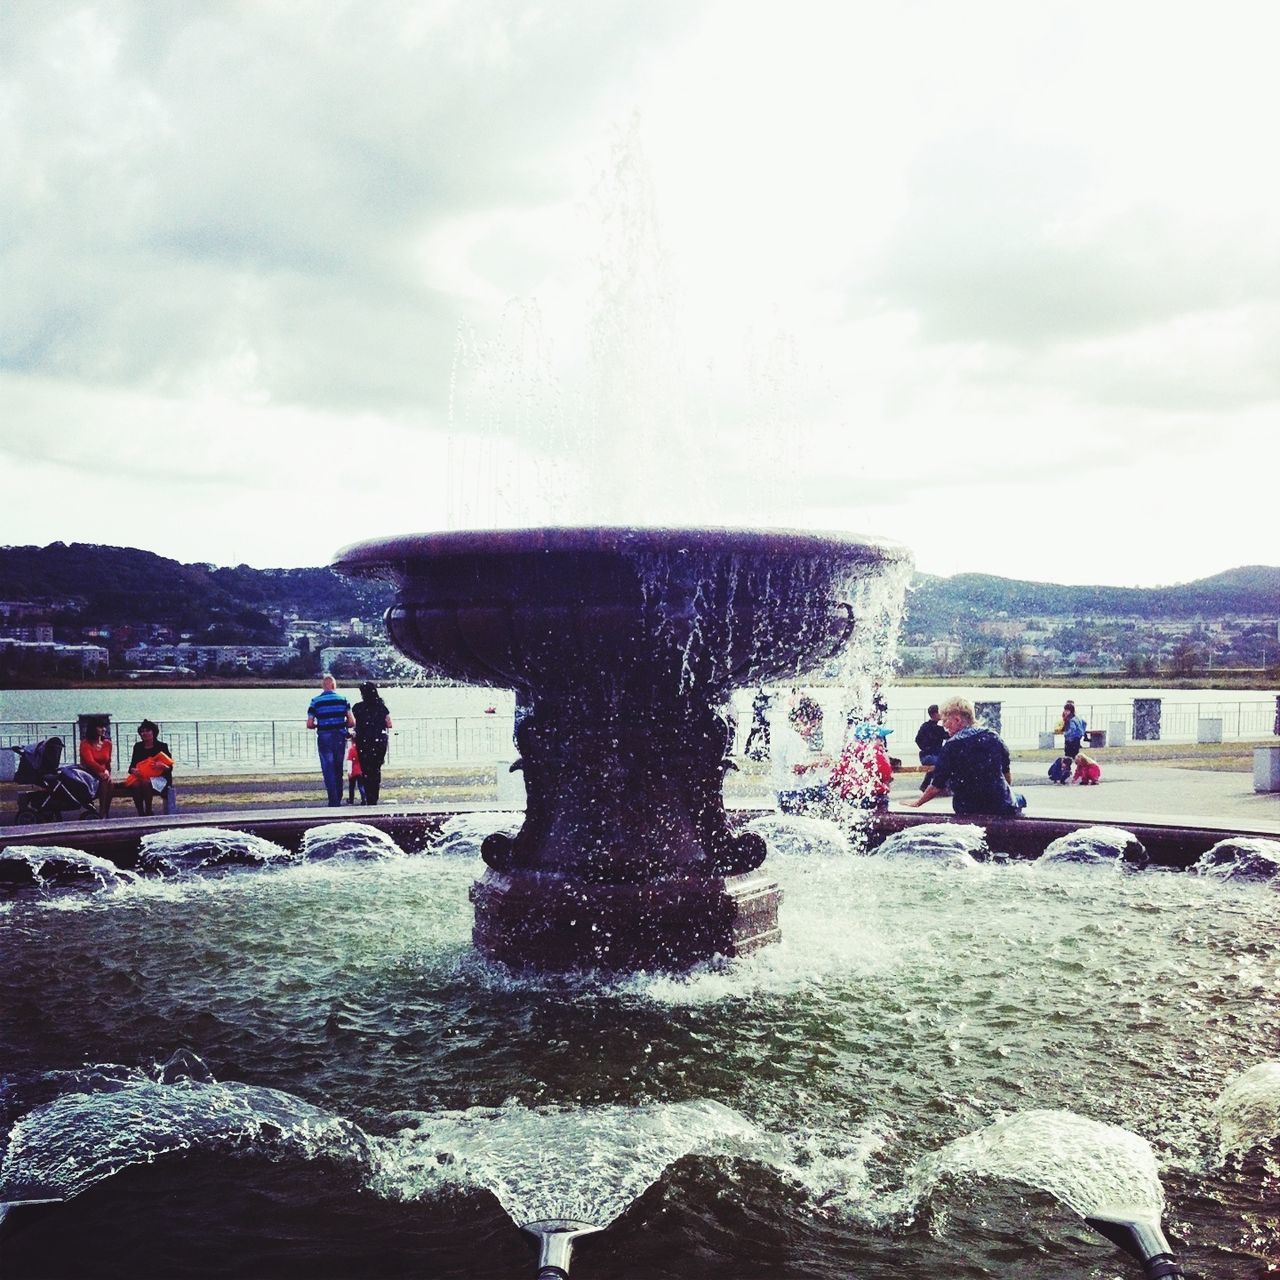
1135 792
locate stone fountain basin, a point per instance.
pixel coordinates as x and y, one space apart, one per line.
1168 845
556 608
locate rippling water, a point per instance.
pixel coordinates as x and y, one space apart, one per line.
380 1101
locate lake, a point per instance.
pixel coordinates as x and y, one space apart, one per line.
250 730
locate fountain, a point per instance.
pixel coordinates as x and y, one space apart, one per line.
282 1059
622 646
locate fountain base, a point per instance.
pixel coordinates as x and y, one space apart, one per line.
546 921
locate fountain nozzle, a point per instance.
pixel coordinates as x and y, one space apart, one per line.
1140 1235
555 1243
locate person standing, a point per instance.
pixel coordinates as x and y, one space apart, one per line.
372 721
355 777
1073 729
973 765
329 714
757 744
95 756
929 739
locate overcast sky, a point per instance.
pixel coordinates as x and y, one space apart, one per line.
1000 281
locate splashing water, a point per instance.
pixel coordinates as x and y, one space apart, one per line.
1095 846
61 1149
462 835
204 848
45 867
1242 858
943 843
588 1164
1248 1109
901 1010
791 836
348 840
1091 1167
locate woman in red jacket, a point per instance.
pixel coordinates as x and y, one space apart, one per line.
95 756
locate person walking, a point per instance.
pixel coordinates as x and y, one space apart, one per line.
329 714
973 765
929 739
372 721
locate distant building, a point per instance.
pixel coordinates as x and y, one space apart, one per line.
39 632
40 657
210 657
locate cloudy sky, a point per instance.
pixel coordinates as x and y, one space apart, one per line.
997 280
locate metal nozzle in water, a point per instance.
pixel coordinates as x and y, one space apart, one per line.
1139 1235
555 1243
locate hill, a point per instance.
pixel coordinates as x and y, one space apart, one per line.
90 585
935 605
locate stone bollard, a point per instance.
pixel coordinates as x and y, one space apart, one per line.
1117 733
987 713
1146 719
1266 768
1209 729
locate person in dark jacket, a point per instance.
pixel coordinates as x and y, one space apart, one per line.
373 722
929 739
973 765
142 789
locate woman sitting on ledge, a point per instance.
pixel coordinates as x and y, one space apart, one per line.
146 769
973 764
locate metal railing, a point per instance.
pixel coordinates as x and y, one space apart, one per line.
1022 726
284 746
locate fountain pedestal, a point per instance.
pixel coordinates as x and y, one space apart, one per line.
623 646
547 921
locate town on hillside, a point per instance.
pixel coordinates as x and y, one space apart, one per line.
94 612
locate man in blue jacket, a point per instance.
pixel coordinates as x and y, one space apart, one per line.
330 716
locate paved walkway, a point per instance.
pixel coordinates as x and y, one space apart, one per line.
1140 793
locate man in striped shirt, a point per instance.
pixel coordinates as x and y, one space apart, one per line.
330 716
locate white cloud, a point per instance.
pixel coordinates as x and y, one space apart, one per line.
917 270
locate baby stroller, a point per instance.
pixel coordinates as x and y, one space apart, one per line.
62 788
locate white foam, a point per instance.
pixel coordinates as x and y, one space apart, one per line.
1090 1166
1248 1108
582 1163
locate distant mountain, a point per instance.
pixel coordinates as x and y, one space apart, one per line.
108 586
935 604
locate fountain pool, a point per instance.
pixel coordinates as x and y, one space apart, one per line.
363 1094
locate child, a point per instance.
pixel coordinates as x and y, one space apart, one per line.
1060 770
355 775
863 774
1087 771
